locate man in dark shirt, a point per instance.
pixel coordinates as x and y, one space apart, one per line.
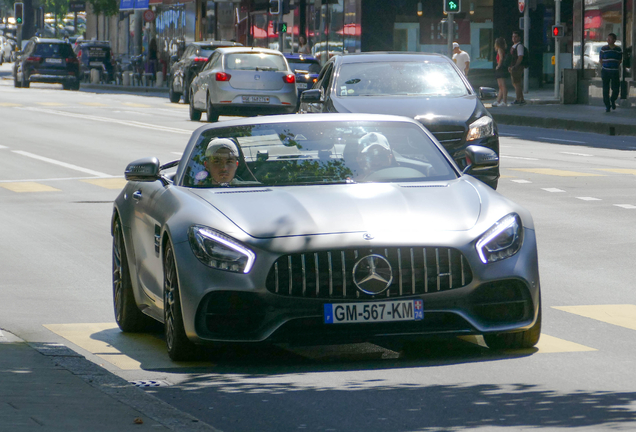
610 57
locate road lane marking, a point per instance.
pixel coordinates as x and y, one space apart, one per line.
9 104
555 172
127 351
50 103
21 187
622 315
3 147
547 344
521 181
626 206
137 105
518 157
618 170
562 140
111 120
576 154
589 199
62 164
108 183
93 104
553 190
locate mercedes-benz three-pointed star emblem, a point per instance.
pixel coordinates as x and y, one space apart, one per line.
372 274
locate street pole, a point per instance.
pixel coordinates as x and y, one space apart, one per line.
526 43
450 25
281 48
557 51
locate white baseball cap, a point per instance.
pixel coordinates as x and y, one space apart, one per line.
455 45
218 143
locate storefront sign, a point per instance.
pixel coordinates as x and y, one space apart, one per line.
133 5
522 5
76 6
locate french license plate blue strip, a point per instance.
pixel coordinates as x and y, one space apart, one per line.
362 312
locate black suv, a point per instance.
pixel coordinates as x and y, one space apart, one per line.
96 55
48 61
192 60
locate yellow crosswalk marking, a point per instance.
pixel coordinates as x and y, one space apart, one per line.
137 105
623 315
93 104
178 105
127 351
28 187
618 170
51 103
9 104
110 183
555 172
547 344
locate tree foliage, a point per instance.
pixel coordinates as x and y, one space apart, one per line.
105 7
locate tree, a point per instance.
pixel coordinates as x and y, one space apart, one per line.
105 7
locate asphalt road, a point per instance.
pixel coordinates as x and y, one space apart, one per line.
62 157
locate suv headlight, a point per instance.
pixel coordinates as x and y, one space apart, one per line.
502 240
219 251
482 128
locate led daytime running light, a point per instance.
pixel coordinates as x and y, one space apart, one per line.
251 256
501 226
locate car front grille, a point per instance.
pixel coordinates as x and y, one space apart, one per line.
451 137
329 274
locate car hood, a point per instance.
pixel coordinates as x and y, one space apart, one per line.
433 109
330 209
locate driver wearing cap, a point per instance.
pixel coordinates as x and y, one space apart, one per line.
374 154
221 162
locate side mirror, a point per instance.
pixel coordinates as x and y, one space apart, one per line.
174 58
143 170
480 158
486 93
312 96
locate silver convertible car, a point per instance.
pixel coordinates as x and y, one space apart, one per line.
243 81
331 228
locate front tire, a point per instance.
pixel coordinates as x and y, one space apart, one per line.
174 96
25 82
179 346
127 314
520 340
213 115
195 114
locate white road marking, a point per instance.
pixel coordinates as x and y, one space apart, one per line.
589 199
563 140
521 181
54 179
553 190
576 154
110 120
626 206
3 147
62 164
508 135
517 157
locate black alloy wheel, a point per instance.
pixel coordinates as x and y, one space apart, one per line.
520 340
174 96
213 115
195 114
187 94
127 315
179 346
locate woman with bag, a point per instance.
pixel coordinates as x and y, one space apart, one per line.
501 71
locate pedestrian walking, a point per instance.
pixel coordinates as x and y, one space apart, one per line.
517 52
461 58
501 71
610 57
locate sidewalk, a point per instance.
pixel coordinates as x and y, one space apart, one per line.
51 388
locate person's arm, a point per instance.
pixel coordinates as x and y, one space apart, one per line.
467 66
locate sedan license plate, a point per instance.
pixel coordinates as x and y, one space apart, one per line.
301 85
95 63
255 99
363 312
53 61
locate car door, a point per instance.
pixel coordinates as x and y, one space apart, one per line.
178 71
19 62
324 84
203 81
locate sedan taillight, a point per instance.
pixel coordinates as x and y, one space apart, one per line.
72 60
222 76
289 79
200 59
34 59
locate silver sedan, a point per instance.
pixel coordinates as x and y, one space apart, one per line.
245 82
327 228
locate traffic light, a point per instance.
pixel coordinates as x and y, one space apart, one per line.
557 31
452 6
275 7
285 7
282 27
18 12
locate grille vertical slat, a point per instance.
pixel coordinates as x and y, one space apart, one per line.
427 267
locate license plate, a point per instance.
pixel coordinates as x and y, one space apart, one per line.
53 61
397 310
95 63
301 85
255 99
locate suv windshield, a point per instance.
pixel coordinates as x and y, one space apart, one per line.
421 78
311 153
53 49
255 61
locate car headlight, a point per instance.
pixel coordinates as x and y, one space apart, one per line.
219 251
482 128
502 240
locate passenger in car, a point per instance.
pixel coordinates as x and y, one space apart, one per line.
221 162
374 154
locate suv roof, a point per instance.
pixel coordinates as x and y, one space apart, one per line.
94 42
48 40
216 42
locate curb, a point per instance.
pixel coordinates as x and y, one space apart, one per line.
126 89
567 124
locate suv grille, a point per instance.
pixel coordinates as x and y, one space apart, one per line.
329 274
451 137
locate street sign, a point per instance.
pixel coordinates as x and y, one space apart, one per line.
452 6
149 16
522 5
76 6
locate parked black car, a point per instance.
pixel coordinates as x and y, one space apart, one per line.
96 55
48 61
184 69
426 87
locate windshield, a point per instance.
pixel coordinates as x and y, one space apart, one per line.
54 49
422 78
255 61
312 153
313 67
